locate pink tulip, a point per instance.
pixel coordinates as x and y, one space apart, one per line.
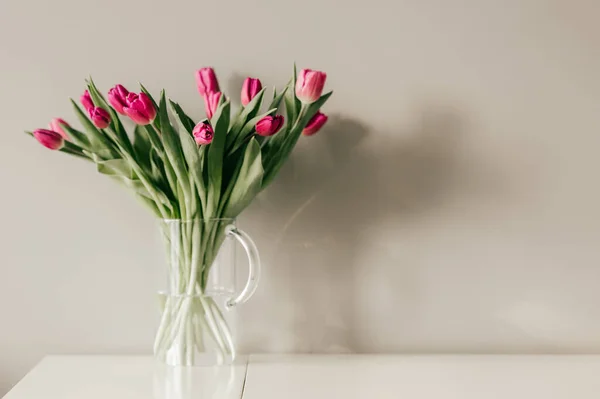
309 85
117 97
86 101
206 81
49 138
250 89
269 125
56 125
100 117
211 103
203 133
140 108
315 124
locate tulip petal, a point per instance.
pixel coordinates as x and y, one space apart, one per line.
136 116
56 125
315 124
49 139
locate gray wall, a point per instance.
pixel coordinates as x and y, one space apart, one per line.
451 204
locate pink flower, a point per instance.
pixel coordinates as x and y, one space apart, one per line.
309 85
86 101
117 97
140 108
56 126
211 103
100 117
203 133
49 138
315 124
206 81
250 89
269 125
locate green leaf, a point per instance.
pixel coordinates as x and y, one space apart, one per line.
123 172
195 165
115 167
292 104
185 121
141 147
154 139
77 137
172 145
277 98
248 182
279 148
215 158
72 149
249 111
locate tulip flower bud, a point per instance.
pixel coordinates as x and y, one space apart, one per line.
117 97
211 103
250 89
56 125
203 133
269 125
315 124
140 108
100 117
206 81
86 101
309 85
49 139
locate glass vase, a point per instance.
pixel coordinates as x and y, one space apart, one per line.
198 294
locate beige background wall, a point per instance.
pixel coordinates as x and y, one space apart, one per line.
451 204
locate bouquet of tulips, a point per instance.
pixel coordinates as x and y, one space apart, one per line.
192 170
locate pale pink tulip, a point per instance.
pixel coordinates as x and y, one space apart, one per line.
269 125
211 103
86 101
315 124
49 138
56 125
206 80
203 133
250 89
100 117
140 108
117 97
309 85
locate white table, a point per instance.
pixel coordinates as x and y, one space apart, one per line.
315 377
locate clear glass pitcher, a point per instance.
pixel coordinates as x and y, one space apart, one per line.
198 292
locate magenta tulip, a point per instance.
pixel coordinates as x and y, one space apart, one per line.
250 89
49 138
315 124
140 108
117 97
309 85
211 103
86 101
100 117
56 125
203 133
269 125
206 81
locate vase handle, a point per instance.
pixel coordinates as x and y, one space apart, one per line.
253 265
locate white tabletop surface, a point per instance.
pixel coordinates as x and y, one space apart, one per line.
127 377
315 377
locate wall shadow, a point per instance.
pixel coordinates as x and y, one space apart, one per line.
338 186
